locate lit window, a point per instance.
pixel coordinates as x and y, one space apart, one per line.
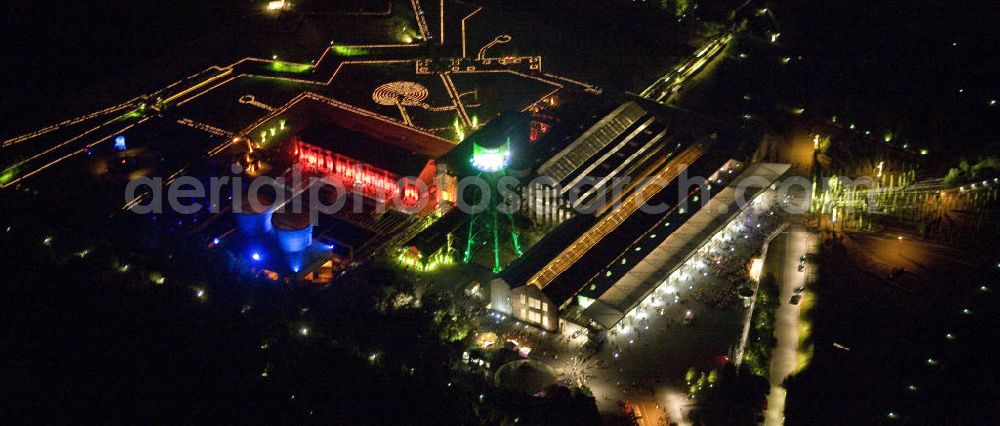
545 307
524 300
534 303
545 322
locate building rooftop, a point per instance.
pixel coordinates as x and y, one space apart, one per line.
594 140
634 231
363 147
541 253
628 291
436 236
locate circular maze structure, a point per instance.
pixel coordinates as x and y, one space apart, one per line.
405 93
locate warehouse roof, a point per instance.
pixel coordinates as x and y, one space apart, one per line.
638 282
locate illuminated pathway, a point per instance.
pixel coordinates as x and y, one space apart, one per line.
464 54
45 130
782 261
325 69
51 156
456 99
418 13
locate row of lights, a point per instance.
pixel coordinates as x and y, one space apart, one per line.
985 184
892 415
681 274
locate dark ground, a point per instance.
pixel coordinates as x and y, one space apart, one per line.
892 328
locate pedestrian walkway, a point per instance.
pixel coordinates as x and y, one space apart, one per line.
783 260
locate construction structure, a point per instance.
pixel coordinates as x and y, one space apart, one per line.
490 215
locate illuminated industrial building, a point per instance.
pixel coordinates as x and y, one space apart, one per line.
650 263
594 183
354 161
293 231
252 218
581 176
492 152
593 189
388 171
618 274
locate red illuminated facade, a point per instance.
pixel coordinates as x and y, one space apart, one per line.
356 176
538 128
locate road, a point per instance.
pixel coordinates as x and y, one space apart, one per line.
783 261
664 88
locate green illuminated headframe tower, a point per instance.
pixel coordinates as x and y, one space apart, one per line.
490 224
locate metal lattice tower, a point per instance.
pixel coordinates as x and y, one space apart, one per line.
490 222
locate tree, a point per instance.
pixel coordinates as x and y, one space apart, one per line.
691 375
736 399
